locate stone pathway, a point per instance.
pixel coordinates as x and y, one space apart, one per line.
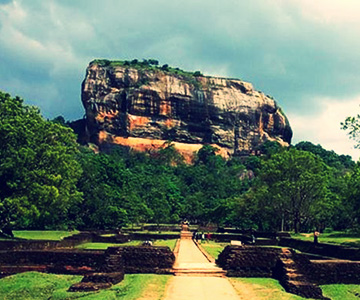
195 277
191 261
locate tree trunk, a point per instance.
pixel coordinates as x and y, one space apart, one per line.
297 224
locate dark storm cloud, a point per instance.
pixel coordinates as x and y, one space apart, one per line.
288 49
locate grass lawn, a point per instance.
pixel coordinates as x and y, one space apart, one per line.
170 243
335 237
54 235
213 248
342 291
270 289
262 289
38 286
158 232
104 246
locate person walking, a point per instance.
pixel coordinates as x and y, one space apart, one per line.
316 237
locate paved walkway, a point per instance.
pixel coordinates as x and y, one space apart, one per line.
201 286
189 253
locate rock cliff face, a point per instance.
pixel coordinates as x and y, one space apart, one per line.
144 107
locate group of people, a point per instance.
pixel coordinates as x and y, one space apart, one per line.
200 236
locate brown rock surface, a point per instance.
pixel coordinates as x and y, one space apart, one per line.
144 107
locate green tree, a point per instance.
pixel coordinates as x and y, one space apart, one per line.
296 182
38 169
340 162
352 126
169 155
153 62
351 203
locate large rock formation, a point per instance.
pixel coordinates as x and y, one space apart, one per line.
143 107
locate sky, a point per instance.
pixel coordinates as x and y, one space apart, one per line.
304 53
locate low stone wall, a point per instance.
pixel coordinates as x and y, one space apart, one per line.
225 237
246 239
322 249
257 234
283 264
28 244
141 259
93 259
131 259
334 271
68 242
162 228
248 261
296 273
118 238
153 236
51 261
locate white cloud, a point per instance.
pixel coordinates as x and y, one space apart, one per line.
295 50
324 128
330 11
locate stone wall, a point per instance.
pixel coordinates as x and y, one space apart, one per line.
246 239
162 228
93 259
141 259
131 259
68 242
248 261
284 265
118 238
28 244
322 249
51 261
334 271
257 234
153 236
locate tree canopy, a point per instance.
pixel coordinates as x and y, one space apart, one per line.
47 180
38 168
296 183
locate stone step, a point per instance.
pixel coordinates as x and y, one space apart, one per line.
204 273
186 235
295 277
198 269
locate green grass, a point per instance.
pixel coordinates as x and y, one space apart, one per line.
38 286
104 246
55 235
341 291
270 289
33 285
213 248
170 243
335 237
262 289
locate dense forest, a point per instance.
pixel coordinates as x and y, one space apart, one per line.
49 181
